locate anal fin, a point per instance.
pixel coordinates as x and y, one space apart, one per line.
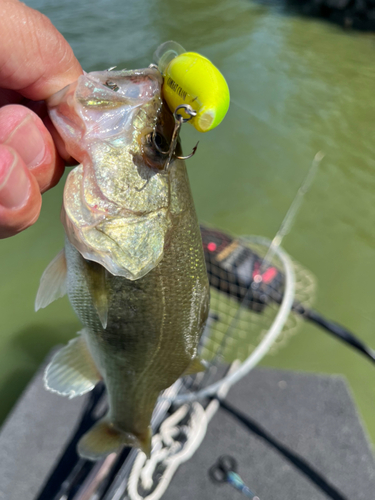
103 438
53 282
72 371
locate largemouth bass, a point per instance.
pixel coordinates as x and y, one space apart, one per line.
133 264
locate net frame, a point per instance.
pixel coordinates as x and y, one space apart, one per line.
269 338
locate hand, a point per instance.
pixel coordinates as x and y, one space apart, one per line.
35 62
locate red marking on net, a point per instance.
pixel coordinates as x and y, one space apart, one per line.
267 276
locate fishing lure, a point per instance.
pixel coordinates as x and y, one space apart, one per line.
191 79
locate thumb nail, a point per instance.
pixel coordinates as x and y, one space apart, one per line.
14 181
27 140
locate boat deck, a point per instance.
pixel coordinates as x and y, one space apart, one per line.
301 438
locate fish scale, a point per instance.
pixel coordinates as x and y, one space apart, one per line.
137 338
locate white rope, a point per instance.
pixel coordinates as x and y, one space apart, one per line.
172 455
170 452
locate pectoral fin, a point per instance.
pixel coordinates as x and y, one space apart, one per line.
195 366
72 371
97 284
104 439
53 282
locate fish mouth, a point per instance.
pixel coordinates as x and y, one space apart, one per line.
155 141
116 203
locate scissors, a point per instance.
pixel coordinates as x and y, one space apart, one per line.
225 471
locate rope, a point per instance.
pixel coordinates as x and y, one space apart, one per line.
169 451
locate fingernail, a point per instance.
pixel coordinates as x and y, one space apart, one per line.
14 182
27 140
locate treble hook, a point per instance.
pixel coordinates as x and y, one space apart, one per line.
178 121
188 156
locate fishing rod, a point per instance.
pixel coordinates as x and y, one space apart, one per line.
239 272
335 329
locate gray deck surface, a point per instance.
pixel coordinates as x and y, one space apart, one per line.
33 438
312 416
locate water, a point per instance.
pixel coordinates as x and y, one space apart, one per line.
298 86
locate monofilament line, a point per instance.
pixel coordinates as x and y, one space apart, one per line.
285 227
294 208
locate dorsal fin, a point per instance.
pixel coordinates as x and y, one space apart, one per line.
53 282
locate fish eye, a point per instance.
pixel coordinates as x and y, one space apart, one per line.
155 150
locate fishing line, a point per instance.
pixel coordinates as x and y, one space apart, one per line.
284 229
293 210
247 110
274 249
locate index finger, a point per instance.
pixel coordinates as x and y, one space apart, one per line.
35 59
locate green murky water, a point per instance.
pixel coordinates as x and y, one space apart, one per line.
297 86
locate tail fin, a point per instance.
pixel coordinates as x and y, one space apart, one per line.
104 439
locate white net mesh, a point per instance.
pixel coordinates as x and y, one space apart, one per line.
237 326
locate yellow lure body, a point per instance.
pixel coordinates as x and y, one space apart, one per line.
190 78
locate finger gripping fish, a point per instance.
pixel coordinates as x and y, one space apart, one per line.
133 264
